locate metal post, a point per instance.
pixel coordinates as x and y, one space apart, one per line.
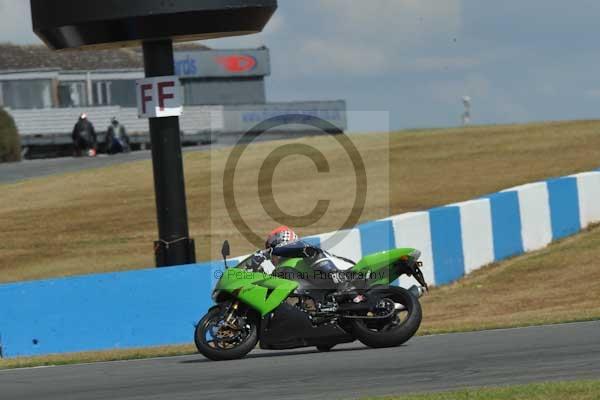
174 246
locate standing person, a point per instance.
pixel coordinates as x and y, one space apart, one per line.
117 140
84 137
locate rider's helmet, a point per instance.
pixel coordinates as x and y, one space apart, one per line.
280 236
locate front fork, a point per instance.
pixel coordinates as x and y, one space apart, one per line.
231 313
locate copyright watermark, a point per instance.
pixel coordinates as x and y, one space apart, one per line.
325 279
218 274
318 182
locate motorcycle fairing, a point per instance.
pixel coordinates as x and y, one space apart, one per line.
385 267
265 293
288 327
258 290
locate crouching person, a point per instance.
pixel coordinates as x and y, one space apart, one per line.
117 140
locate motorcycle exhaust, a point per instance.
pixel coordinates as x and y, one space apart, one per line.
417 291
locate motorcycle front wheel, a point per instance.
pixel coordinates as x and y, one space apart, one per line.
220 339
395 330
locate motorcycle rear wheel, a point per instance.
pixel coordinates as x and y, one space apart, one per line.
220 348
396 330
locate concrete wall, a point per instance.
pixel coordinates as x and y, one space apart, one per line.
244 117
108 311
160 306
53 126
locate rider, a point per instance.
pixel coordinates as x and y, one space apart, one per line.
279 237
283 243
84 136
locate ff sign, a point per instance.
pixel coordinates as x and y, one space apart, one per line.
159 97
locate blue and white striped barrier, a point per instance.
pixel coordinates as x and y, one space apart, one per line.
462 237
160 306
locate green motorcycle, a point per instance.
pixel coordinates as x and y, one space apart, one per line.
306 301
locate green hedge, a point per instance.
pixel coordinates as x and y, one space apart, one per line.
10 145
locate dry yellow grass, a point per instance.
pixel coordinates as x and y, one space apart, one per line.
104 220
558 284
99 356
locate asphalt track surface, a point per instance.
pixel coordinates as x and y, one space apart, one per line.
424 364
15 172
28 169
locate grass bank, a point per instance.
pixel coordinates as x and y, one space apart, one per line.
558 284
104 220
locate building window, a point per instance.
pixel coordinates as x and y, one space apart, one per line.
102 93
72 94
27 94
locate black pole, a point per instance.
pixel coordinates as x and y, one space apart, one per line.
174 246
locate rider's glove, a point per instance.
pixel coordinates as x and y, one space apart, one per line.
256 261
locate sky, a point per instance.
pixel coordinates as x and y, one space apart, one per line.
519 61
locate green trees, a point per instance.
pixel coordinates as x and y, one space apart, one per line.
10 145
